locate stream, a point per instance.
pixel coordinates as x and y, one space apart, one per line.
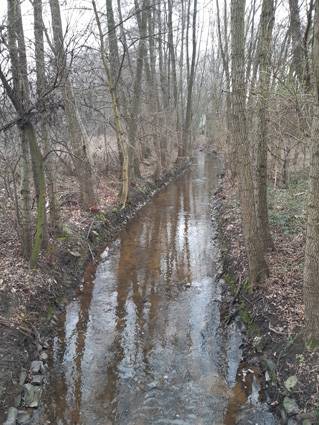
142 343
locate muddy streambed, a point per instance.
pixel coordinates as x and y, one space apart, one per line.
142 343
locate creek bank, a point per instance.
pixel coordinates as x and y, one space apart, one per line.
272 313
27 323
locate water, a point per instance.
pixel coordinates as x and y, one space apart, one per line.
142 343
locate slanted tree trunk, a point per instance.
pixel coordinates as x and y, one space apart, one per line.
77 132
265 42
311 270
257 264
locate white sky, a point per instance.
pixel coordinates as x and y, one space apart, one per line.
76 14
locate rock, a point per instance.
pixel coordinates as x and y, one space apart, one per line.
31 395
259 415
45 345
12 416
259 344
292 422
75 254
291 382
23 376
37 367
17 400
37 380
24 418
290 406
269 364
44 356
283 416
270 367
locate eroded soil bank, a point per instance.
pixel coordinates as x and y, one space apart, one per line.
273 313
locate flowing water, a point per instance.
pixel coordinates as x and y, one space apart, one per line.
142 343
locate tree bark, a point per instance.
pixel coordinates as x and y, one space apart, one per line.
265 43
296 38
186 138
311 269
112 87
257 264
20 98
77 132
136 97
41 87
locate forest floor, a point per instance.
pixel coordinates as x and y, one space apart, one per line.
30 300
273 313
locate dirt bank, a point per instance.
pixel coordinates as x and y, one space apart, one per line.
31 300
273 313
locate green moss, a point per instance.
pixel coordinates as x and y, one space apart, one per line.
312 344
286 206
50 312
231 283
248 320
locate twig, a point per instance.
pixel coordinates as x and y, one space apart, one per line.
240 285
275 330
90 228
91 252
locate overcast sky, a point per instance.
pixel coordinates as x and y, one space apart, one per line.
77 14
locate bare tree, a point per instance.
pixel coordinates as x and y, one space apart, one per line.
257 264
265 42
311 270
77 132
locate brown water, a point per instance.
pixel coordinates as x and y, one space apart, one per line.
142 344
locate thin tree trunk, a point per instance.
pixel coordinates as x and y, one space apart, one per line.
296 38
257 264
77 132
136 99
311 269
20 98
116 111
41 87
265 43
26 221
190 83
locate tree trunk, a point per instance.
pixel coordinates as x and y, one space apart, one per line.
265 42
41 87
186 138
77 132
20 98
311 269
26 221
296 38
136 99
257 264
112 87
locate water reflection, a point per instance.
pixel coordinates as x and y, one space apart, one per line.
142 343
